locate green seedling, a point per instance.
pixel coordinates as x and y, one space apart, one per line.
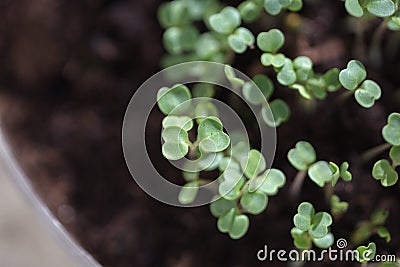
381 8
352 78
311 227
366 253
338 207
365 229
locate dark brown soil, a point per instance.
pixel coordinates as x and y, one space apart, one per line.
67 73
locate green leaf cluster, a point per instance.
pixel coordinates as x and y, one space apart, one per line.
375 225
274 7
379 8
383 170
304 158
311 227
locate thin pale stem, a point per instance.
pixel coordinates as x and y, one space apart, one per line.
297 184
373 152
375 52
360 48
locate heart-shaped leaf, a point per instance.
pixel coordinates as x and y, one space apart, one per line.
320 223
273 7
225 221
240 40
173 99
303 219
391 132
270 41
320 173
210 132
353 75
220 206
173 13
300 239
280 113
287 75
335 172
354 8
188 192
180 39
324 242
381 8
184 122
368 93
331 79
276 60
384 172
366 253
302 156
345 173
249 11
395 155
254 202
383 232
254 164
269 182
239 226
337 206
258 91
176 144
225 21
296 5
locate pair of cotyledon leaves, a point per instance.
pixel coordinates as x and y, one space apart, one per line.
353 77
311 226
303 157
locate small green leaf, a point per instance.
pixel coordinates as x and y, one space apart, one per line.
276 60
320 223
300 239
303 219
287 74
302 62
270 41
188 193
302 156
391 132
331 79
173 13
254 203
176 97
395 154
317 86
345 173
353 75
240 40
381 8
324 242
335 172
220 206
203 110
249 11
379 217
384 172
383 232
259 90
230 189
366 254
254 164
176 144
210 132
280 113
239 227
225 221
354 8
231 76
183 122
203 90
320 173
206 47
273 7
180 39
368 93
269 182
337 206
225 21
296 5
